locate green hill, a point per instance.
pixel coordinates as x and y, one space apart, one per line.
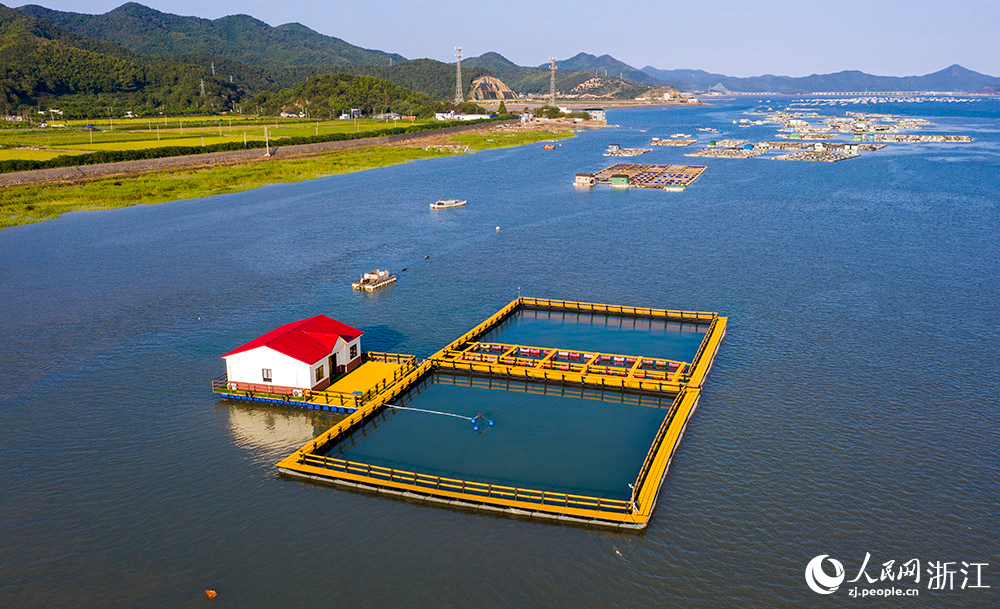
428 76
145 30
331 94
41 63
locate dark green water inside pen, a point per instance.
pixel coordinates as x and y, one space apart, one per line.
853 406
538 441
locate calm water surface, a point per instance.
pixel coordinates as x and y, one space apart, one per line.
853 407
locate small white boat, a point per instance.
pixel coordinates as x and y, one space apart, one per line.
446 203
680 135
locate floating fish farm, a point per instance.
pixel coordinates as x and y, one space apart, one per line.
549 409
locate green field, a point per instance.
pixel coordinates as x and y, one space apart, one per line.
38 202
136 134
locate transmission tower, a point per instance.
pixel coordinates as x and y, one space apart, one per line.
552 82
459 96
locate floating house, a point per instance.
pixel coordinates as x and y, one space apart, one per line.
585 179
297 357
619 180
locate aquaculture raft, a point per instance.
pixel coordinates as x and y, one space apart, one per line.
666 177
635 375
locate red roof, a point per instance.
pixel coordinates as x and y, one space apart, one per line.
308 340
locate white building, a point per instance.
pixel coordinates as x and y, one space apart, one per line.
296 357
457 116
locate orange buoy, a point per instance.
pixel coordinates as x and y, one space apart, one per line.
211 593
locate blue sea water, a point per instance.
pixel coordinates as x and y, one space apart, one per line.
853 406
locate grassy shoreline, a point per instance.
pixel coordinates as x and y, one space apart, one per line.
39 202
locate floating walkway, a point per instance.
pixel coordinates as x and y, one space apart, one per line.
672 385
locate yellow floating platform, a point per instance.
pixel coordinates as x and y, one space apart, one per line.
682 380
364 377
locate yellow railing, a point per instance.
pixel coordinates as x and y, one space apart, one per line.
701 347
655 445
536 388
544 374
389 358
590 307
473 489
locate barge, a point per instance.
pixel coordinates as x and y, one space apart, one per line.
375 280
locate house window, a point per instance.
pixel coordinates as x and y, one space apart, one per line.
354 351
266 373
319 374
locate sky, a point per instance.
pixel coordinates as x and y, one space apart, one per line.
736 38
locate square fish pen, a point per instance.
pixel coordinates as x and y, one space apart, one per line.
581 432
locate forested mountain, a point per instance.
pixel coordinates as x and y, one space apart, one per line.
428 76
145 30
331 94
40 62
952 78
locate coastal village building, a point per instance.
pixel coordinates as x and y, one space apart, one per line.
458 116
299 356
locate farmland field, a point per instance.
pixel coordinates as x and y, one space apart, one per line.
139 134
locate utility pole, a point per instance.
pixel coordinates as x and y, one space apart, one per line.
213 68
203 87
459 96
552 82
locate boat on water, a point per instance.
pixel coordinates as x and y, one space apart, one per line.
680 135
373 281
446 203
549 146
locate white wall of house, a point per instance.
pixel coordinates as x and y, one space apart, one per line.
248 366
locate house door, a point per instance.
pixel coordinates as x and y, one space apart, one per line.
333 365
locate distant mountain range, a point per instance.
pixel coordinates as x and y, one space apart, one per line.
262 57
952 78
608 65
146 60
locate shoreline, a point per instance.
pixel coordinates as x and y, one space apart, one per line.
42 200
